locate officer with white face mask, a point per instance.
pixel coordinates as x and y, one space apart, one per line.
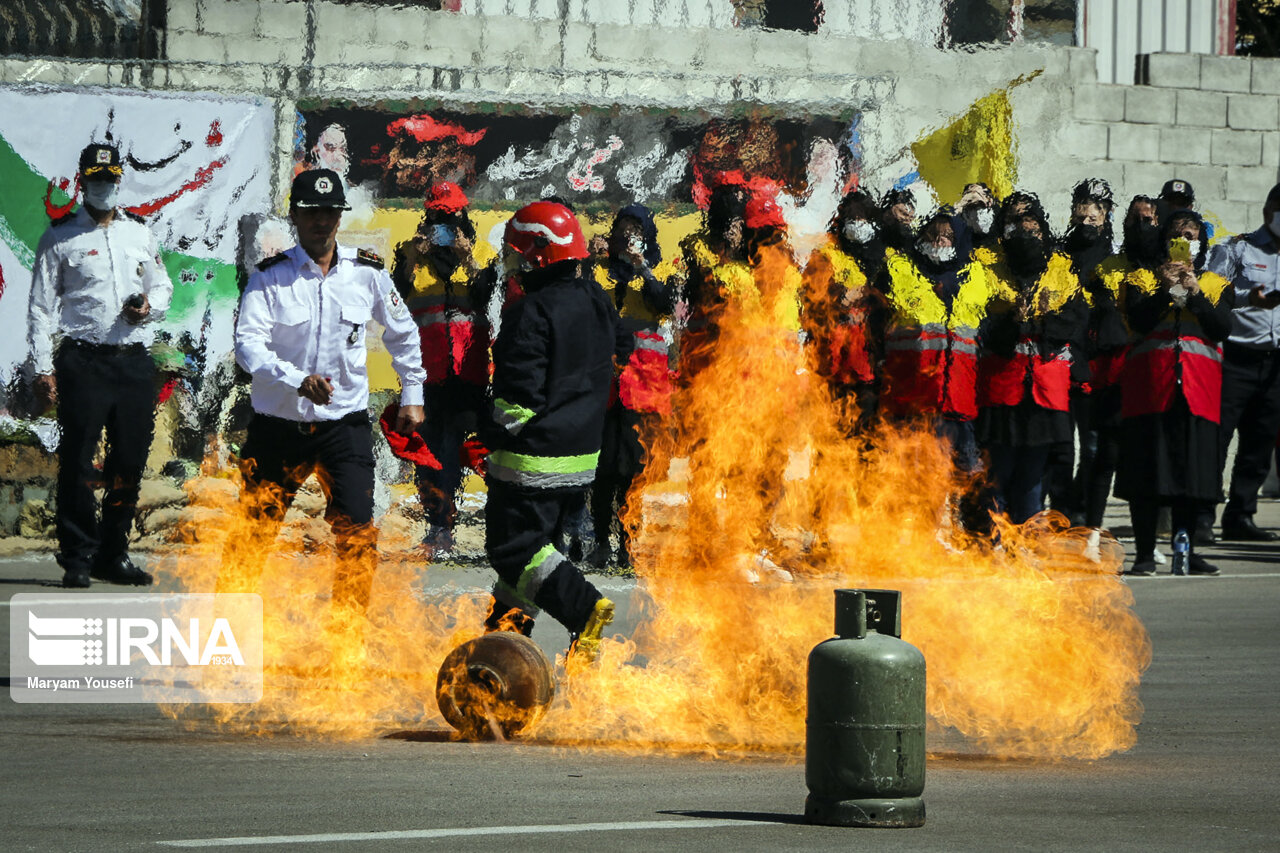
98 284
1251 366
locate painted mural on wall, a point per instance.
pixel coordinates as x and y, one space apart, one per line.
195 165
597 159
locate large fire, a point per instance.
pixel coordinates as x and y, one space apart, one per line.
755 505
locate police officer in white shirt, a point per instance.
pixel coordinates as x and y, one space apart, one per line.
99 283
301 336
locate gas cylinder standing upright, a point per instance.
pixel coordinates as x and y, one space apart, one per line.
864 752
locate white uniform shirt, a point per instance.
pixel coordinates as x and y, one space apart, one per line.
1251 261
83 275
294 322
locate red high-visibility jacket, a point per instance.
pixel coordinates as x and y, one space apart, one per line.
1177 357
931 348
1039 366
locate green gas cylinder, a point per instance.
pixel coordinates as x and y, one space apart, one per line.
864 751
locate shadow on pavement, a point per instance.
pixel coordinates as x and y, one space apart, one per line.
424 736
757 817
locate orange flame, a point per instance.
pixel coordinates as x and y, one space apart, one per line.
751 510
1033 650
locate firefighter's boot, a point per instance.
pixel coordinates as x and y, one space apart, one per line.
587 644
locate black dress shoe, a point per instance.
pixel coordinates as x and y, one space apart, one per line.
1243 529
1198 565
76 577
122 571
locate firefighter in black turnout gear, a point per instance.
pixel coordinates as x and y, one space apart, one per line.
553 366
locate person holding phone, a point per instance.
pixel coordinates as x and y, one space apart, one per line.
1172 390
98 284
439 274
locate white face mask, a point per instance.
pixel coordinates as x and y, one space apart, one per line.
859 231
937 254
982 219
1194 247
100 195
1274 225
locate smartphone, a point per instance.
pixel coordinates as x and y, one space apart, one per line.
1180 250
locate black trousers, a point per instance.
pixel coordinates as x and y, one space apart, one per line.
101 387
453 409
1063 484
621 460
1145 512
520 526
1251 405
1103 462
277 458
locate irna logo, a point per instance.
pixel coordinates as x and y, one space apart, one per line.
121 641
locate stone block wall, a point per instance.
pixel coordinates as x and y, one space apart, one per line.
1211 120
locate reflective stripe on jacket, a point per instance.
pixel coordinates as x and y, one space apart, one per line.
543 472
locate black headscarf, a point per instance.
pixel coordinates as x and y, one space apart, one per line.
648 230
1142 241
1027 256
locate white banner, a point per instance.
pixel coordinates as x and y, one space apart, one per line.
194 164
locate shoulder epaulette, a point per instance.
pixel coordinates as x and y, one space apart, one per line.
271 261
129 214
364 256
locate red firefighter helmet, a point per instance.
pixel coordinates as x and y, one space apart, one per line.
544 233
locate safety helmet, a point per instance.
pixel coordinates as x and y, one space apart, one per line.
544 233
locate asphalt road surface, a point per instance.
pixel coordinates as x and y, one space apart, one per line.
1204 775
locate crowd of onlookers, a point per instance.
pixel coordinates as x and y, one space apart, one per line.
1127 347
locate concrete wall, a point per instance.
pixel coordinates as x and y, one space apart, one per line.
1210 120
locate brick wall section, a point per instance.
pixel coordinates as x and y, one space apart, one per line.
1214 121
1211 120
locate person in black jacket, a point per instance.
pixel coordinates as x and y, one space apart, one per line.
644 389
1172 391
1109 339
1087 243
1024 375
553 365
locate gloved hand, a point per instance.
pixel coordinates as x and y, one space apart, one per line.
474 455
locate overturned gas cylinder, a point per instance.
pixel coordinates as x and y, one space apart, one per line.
494 686
865 728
